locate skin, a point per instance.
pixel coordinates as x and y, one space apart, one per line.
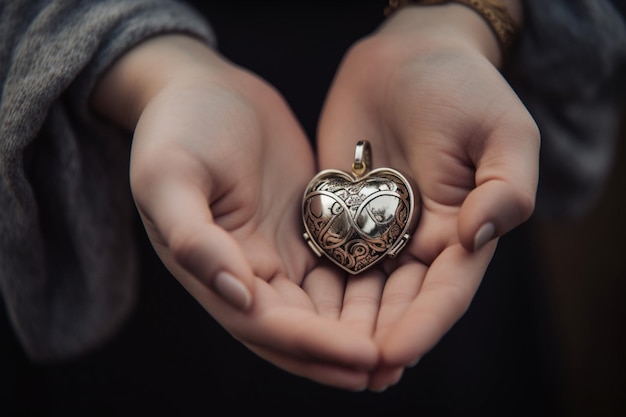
219 164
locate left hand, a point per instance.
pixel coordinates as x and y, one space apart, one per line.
433 104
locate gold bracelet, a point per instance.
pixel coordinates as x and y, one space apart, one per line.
494 12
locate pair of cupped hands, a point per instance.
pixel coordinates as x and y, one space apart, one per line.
219 165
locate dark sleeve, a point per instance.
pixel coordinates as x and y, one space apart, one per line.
67 252
567 69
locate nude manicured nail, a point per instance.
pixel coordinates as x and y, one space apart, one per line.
486 232
232 290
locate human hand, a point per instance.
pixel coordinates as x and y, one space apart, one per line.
218 166
426 92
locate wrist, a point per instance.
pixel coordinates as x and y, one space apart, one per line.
134 79
473 25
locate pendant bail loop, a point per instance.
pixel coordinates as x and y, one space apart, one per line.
362 158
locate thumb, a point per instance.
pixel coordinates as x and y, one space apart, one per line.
504 197
490 211
214 258
180 218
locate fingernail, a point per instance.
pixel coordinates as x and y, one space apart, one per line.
232 290
414 363
486 232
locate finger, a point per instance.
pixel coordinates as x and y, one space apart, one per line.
290 293
361 301
506 185
276 337
180 214
401 289
306 338
325 288
287 330
445 295
323 373
212 256
305 335
290 330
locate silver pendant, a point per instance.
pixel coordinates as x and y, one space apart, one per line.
357 219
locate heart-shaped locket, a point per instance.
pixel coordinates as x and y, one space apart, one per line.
358 219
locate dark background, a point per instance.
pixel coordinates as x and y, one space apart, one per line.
544 336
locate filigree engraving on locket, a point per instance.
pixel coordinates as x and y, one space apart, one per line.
357 219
